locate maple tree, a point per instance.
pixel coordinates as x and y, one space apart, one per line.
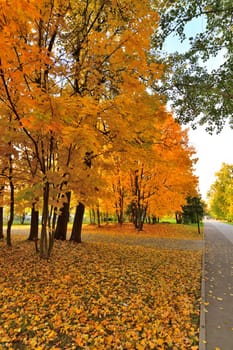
76 78
157 179
46 79
9 168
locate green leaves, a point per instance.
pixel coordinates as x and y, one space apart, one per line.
221 193
199 82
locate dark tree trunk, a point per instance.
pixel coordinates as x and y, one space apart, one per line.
11 217
155 219
33 234
178 217
22 219
98 217
134 214
141 217
1 223
63 219
120 215
45 243
76 234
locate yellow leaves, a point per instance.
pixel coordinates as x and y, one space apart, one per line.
67 278
112 291
79 341
160 342
51 335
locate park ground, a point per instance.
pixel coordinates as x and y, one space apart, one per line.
119 289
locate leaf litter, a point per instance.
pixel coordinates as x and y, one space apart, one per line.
100 295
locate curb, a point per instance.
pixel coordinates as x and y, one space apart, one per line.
202 326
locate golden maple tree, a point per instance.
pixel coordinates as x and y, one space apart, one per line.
156 177
75 77
65 94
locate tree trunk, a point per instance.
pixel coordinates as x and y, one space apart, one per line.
45 244
92 216
11 218
143 214
1 223
119 205
33 234
198 220
178 217
77 224
141 217
134 214
120 212
98 216
22 219
63 219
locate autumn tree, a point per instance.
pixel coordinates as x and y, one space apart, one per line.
156 179
120 187
8 167
161 185
66 71
103 39
28 36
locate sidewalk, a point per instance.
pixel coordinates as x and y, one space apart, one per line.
216 324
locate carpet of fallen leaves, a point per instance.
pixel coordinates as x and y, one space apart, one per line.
102 294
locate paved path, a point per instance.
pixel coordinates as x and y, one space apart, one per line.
217 312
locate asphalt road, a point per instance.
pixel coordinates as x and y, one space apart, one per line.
218 279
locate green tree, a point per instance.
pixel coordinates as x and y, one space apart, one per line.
221 194
193 211
198 93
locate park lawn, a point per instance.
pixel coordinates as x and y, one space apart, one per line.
101 294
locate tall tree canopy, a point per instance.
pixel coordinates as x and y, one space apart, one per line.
76 86
198 93
72 76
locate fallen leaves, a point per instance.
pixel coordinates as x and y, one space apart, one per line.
99 295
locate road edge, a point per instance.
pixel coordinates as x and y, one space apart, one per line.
202 324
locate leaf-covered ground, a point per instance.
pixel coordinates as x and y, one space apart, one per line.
102 294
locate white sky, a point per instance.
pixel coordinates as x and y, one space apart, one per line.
212 151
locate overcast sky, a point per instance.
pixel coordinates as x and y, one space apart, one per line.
212 151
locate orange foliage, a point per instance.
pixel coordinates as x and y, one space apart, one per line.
75 76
